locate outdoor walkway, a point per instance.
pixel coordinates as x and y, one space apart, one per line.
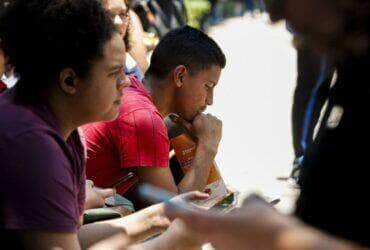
254 99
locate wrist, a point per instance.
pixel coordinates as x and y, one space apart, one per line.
144 223
157 210
157 220
208 150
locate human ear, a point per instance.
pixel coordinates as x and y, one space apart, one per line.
179 75
68 81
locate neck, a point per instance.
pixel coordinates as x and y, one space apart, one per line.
64 114
160 93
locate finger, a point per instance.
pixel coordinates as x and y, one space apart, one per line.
213 117
182 204
196 195
89 183
189 213
161 222
180 121
107 192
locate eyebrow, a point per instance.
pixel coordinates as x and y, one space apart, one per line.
115 67
118 11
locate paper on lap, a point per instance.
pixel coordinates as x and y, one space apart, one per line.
185 148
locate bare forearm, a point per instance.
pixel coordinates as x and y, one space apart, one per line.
165 242
291 234
155 244
123 231
309 239
261 228
196 178
176 237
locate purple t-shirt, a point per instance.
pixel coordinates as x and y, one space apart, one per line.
42 177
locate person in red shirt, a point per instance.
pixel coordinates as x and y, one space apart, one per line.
185 68
2 86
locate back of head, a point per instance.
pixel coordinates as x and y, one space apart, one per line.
339 27
42 37
185 46
355 37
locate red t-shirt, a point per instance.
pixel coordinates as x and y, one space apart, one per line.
2 86
137 138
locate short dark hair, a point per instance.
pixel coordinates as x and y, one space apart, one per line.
185 46
42 37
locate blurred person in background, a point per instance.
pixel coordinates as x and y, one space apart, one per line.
249 5
8 77
160 16
340 31
132 33
314 76
3 86
2 70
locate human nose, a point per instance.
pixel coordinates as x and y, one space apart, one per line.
123 82
118 21
210 98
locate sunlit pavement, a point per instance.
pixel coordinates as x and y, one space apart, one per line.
254 99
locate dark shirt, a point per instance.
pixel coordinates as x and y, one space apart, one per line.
42 176
335 175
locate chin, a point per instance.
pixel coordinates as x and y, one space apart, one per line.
190 118
112 115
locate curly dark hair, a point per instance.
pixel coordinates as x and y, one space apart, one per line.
42 37
185 46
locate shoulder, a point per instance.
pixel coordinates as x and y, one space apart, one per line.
35 150
26 138
22 131
135 95
38 183
18 119
141 119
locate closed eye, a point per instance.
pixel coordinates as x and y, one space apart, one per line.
116 73
208 87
